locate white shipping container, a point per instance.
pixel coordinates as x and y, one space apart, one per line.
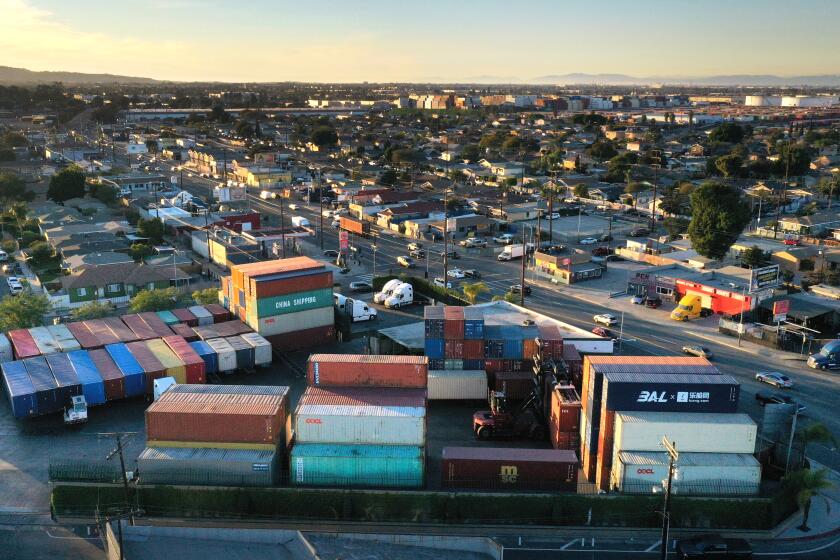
204 317
65 339
44 340
6 354
225 353
360 424
291 322
457 384
693 432
720 474
262 348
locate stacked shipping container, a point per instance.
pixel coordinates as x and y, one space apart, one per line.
454 341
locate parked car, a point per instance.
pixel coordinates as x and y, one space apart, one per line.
417 254
653 303
450 254
606 333
415 246
774 378
472 273
331 253
473 242
517 288
406 262
455 273
792 242
605 319
504 239
713 547
335 223
588 241
438 281
637 300
639 232
553 216
697 350
768 397
361 286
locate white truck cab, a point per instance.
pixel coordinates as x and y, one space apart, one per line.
389 286
76 413
400 296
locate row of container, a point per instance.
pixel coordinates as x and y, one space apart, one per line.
453 323
97 333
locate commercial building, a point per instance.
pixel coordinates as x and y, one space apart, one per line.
566 266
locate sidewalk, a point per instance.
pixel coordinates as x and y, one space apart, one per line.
824 518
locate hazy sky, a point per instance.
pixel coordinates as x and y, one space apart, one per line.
428 40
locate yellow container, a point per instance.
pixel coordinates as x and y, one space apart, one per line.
173 364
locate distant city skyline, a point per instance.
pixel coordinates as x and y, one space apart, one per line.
435 41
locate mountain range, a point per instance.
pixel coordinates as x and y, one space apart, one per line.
22 76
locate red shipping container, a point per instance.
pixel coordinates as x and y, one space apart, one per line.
529 349
519 365
509 468
605 449
110 373
361 370
566 440
241 273
453 349
361 396
219 313
149 362
194 365
156 324
517 385
120 330
220 418
492 366
240 312
86 339
185 331
301 340
23 344
185 316
565 409
302 282
138 326
453 329
102 332
453 313
473 350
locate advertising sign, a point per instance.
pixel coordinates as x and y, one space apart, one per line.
780 310
343 240
764 277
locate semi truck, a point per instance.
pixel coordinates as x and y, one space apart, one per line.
358 310
827 358
401 296
380 297
689 307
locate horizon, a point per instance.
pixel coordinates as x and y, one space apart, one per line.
332 43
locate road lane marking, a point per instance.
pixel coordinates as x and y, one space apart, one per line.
568 544
798 552
654 546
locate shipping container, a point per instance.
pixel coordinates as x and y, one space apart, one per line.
155 323
565 409
262 348
437 364
529 348
172 364
46 388
22 395
692 432
277 390
23 344
550 341
103 333
111 374
435 348
225 354
202 315
517 385
357 415
168 317
316 337
224 418
207 354
186 317
433 321
566 440
65 377
376 466
246 276
703 474
134 378
294 322
86 339
473 349
473 323
457 385
512 349
503 468
93 388
152 368
194 369
208 467
65 339
361 370
244 352
6 352
354 226
493 366
219 313
453 323
473 364
274 285
670 392
120 330
218 330
184 331
289 303
453 363
44 340
453 349
139 327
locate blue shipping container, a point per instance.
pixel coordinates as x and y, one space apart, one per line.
494 349
46 389
512 349
20 389
434 348
473 364
65 376
474 330
133 374
244 352
211 362
496 332
437 364
433 328
319 464
93 388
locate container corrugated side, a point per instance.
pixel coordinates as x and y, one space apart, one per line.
93 388
361 370
44 340
194 369
152 368
301 340
262 348
168 317
65 376
211 362
290 303
111 374
6 352
185 316
293 322
276 390
23 344
281 284
509 468
19 388
138 326
65 339
219 313
314 464
156 324
208 467
103 333
225 354
693 432
120 329
244 352
457 385
133 374
46 388
173 365
665 392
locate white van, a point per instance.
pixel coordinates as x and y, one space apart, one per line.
4 256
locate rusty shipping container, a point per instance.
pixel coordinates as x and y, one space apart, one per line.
152 368
185 316
219 313
276 285
360 370
156 324
354 226
565 409
453 349
111 374
138 326
503 468
120 330
473 350
87 340
300 340
100 329
184 331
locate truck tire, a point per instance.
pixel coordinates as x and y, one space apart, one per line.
484 432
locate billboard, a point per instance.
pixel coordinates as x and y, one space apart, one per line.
764 277
671 393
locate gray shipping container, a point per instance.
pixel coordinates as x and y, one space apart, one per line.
208 466
278 390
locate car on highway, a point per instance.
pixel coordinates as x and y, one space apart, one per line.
517 288
415 246
792 242
406 262
455 273
769 397
450 254
605 319
504 239
361 286
774 378
553 216
335 224
473 242
472 273
712 547
637 300
293 206
438 281
588 241
697 350
417 254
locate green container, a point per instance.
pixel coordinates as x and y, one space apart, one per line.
168 317
328 464
453 364
291 303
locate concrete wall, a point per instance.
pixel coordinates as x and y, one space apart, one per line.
480 545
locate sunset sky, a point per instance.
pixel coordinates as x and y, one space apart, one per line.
262 40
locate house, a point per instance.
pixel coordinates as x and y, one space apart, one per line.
77 262
519 212
798 259
114 283
136 184
263 176
814 224
566 266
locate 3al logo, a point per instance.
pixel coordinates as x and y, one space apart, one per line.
652 396
508 474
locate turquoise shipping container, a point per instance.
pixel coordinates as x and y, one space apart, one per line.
326 464
168 317
292 303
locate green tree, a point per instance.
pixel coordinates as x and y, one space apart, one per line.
245 129
92 310
12 189
23 311
66 184
727 132
152 145
753 257
581 191
406 155
718 216
675 226
729 165
509 297
152 229
471 152
793 158
808 484
474 289
388 177
154 300
324 136
206 296
602 150
815 432
40 252
218 114
633 188
139 251
14 140
106 194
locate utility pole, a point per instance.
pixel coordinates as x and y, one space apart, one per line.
321 206
784 192
445 236
671 448
373 246
792 433
282 229
656 167
522 273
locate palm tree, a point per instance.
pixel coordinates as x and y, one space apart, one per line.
473 290
815 432
509 297
807 484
